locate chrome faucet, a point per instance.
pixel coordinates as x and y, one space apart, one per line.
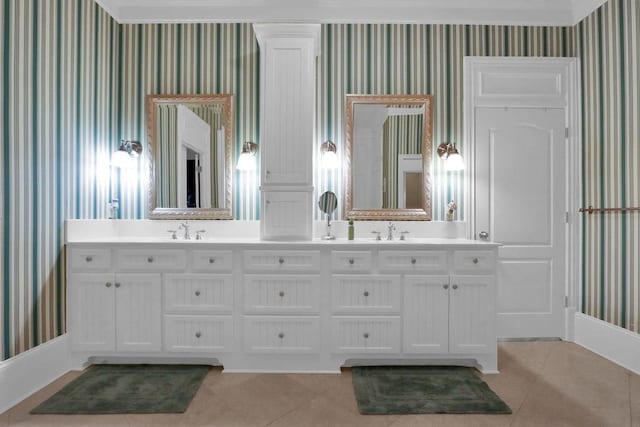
187 236
391 227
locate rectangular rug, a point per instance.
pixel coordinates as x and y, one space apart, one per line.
384 390
127 389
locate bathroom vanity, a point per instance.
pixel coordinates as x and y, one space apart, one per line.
307 306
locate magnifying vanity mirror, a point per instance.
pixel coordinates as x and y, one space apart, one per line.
388 157
191 154
328 203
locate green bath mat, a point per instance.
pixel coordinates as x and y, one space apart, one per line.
127 389
383 390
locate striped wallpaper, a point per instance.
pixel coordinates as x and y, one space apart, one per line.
73 83
608 43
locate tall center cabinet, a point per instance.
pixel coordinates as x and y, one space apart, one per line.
287 99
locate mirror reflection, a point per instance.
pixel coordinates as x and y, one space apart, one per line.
389 151
190 138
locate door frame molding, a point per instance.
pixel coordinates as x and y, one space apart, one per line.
573 166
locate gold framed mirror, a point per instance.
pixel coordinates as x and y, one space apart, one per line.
389 142
190 156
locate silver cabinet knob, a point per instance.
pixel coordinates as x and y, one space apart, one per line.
413 261
455 286
108 284
352 261
281 335
212 260
483 235
281 260
197 293
150 259
89 258
366 293
475 260
281 294
198 334
118 284
365 335
445 286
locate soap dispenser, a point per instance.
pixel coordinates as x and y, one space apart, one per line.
351 230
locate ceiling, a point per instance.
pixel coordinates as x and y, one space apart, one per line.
506 12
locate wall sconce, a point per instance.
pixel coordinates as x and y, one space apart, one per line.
126 153
329 159
453 160
247 159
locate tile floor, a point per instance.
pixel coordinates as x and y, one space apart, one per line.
545 383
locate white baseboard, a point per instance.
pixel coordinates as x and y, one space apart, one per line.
28 372
609 341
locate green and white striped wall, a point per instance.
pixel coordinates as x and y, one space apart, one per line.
73 83
608 43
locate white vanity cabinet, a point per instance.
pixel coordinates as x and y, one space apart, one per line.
287 112
283 307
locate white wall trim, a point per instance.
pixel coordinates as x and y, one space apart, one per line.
612 342
573 165
28 372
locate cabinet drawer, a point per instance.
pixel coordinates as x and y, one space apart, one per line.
211 261
351 261
197 293
474 262
151 259
365 294
366 334
198 333
90 259
268 294
307 261
434 262
280 334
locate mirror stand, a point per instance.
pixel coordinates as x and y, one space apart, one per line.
328 203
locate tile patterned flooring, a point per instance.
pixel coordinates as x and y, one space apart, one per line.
545 383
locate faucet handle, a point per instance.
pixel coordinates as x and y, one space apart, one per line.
403 235
199 234
174 236
377 233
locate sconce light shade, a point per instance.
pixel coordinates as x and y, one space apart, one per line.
125 155
247 159
448 152
329 159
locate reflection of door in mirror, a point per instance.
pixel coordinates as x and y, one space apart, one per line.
410 180
194 156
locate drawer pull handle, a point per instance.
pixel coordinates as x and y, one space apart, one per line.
281 335
197 293
118 284
198 334
475 260
455 286
351 261
445 286
108 284
212 260
366 293
89 258
150 259
366 335
281 260
281 294
413 261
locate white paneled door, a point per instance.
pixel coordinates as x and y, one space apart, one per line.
520 202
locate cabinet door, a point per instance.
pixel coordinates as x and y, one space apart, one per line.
426 314
92 312
138 312
286 215
472 314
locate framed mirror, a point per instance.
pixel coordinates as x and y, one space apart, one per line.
389 140
190 156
